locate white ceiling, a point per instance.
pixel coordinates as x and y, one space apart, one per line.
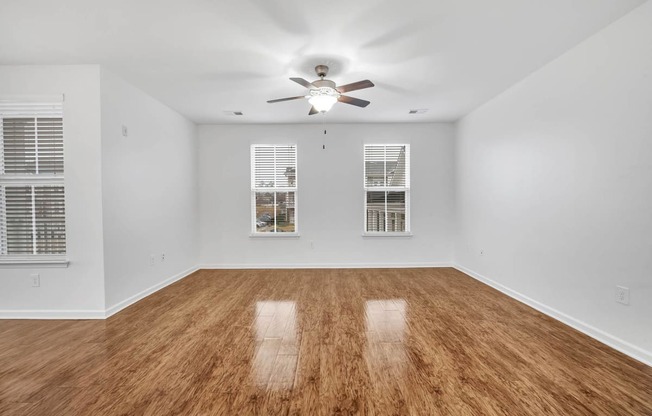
202 57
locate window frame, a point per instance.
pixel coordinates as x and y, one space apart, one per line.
254 233
30 109
407 189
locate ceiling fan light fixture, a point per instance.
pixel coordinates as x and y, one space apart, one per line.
322 103
324 93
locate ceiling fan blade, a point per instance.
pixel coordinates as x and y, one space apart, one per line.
313 110
303 82
278 100
353 101
355 86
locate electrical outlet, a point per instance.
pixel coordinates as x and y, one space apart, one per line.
312 245
152 259
36 280
481 252
125 131
162 257
622 295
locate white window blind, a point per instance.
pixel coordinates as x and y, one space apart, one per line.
32 202
387 188
274 188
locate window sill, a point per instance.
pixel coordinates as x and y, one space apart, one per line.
26 262
389 234
274 235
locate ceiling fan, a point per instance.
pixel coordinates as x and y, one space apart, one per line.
323 93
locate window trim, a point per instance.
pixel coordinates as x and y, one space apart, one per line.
389 234
274 235
408 217
253 233
35 260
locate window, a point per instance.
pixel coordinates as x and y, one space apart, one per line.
274 189
32 204
387 188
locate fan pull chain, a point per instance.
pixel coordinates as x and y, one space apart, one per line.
323 124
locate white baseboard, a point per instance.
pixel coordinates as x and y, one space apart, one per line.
141 295
51 314
100 314
616 343
93 314
325 265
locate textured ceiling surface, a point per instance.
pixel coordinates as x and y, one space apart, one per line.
203 58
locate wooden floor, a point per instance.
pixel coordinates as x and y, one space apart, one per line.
317 342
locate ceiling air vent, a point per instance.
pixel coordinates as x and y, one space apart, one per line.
233 113
418 111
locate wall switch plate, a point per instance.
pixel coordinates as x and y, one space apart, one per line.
152 259
622 295
36 280
125 132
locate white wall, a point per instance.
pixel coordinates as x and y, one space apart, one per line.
79 289
149 192
554 183
330 196
126 197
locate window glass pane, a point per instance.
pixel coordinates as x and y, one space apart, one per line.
50 145
275 212
285 213
374 160
265 212
263 167
18 214
50 220
275 167
286 166
376 211
33 211
395 211
19 145
31 147
396 158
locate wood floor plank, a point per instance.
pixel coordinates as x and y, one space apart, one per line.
317 342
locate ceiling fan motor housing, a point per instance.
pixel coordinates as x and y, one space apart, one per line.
324 83
321 70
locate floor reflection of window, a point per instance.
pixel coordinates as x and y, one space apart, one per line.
385 321
275 330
